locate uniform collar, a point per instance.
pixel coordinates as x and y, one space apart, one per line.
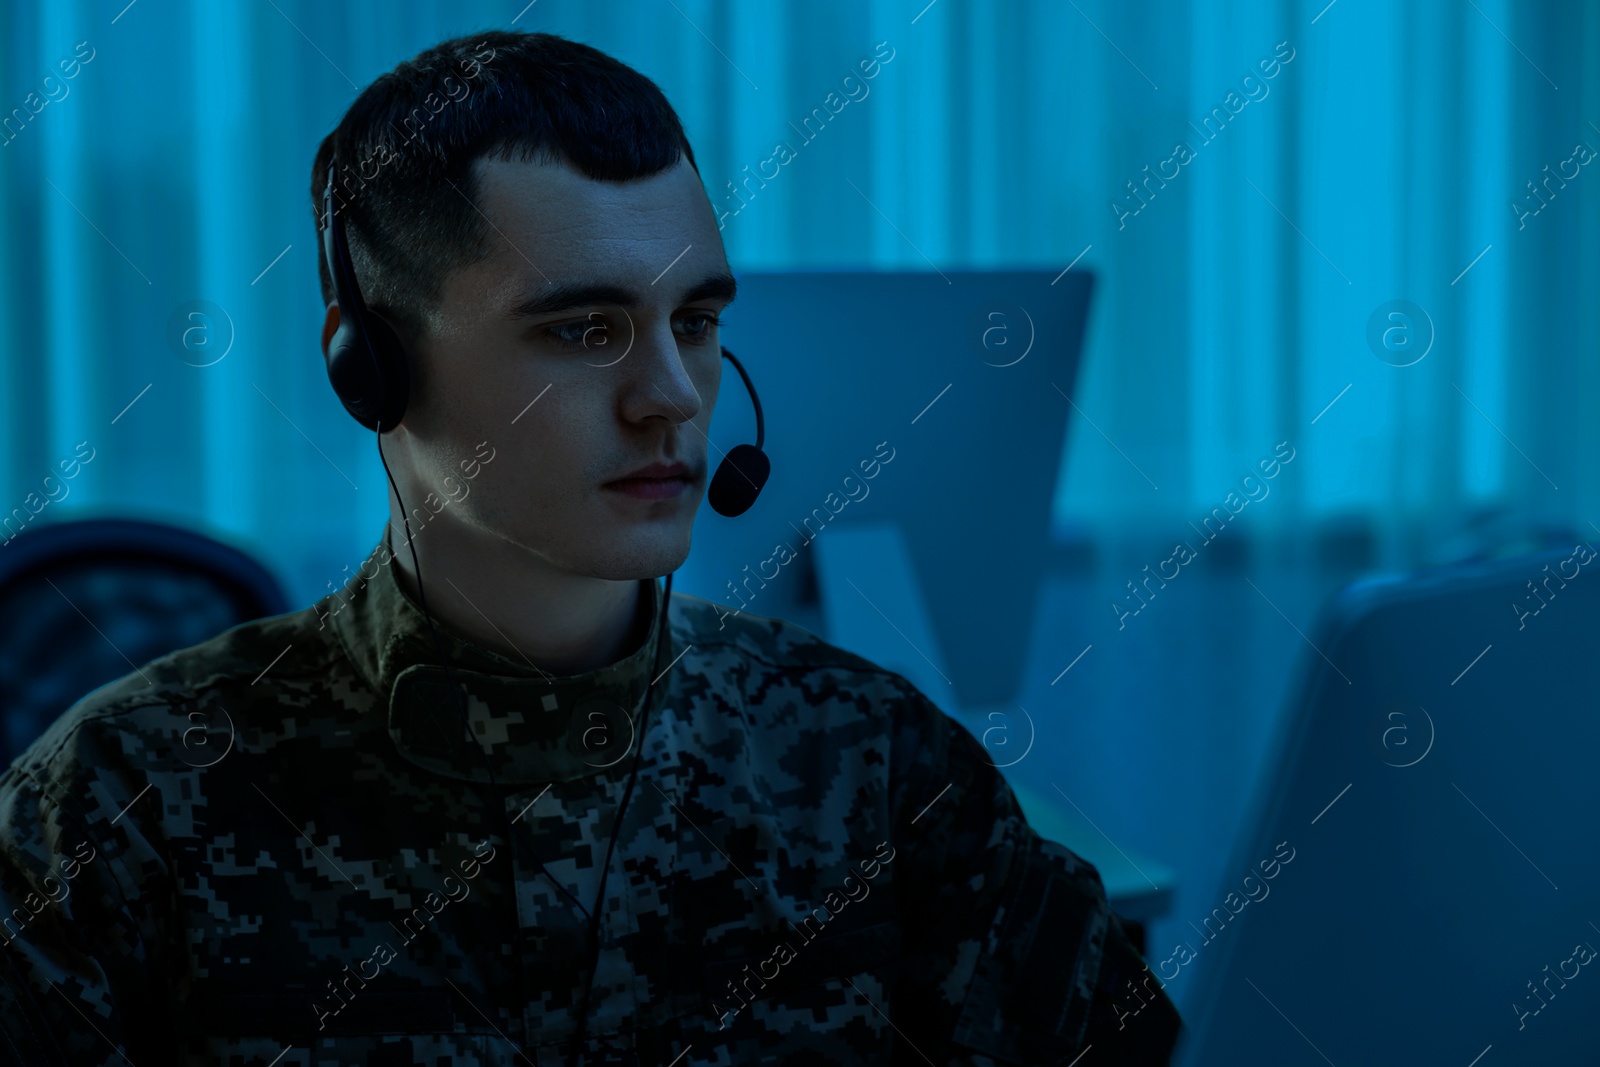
535 726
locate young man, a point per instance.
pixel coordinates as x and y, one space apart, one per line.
483 806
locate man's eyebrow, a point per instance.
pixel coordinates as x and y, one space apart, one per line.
554 298
712 287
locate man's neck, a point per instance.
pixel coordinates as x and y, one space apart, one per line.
508 600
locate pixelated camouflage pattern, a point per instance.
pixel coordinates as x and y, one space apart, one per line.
282 851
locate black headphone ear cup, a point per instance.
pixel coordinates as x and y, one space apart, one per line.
369 373
393 367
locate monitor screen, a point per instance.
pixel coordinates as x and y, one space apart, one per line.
937 400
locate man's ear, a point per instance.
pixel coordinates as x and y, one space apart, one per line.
329 325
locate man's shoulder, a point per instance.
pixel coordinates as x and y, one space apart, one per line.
765 642
755 653
179 701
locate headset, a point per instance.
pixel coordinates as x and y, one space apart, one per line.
368 368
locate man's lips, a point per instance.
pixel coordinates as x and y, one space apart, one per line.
658 481
651 488
657 471
625 483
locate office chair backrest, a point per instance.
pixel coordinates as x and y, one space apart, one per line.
1419 866
83 603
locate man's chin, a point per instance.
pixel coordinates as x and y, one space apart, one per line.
649 554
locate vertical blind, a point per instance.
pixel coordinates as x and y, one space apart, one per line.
1250 229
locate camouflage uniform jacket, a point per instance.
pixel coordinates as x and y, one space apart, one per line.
278 847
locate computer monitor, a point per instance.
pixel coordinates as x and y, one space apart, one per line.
1420 884
961 379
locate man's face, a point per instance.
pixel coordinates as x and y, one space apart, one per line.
582 348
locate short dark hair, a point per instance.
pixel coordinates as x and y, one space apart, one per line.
405 151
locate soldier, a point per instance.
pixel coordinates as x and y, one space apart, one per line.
536 809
